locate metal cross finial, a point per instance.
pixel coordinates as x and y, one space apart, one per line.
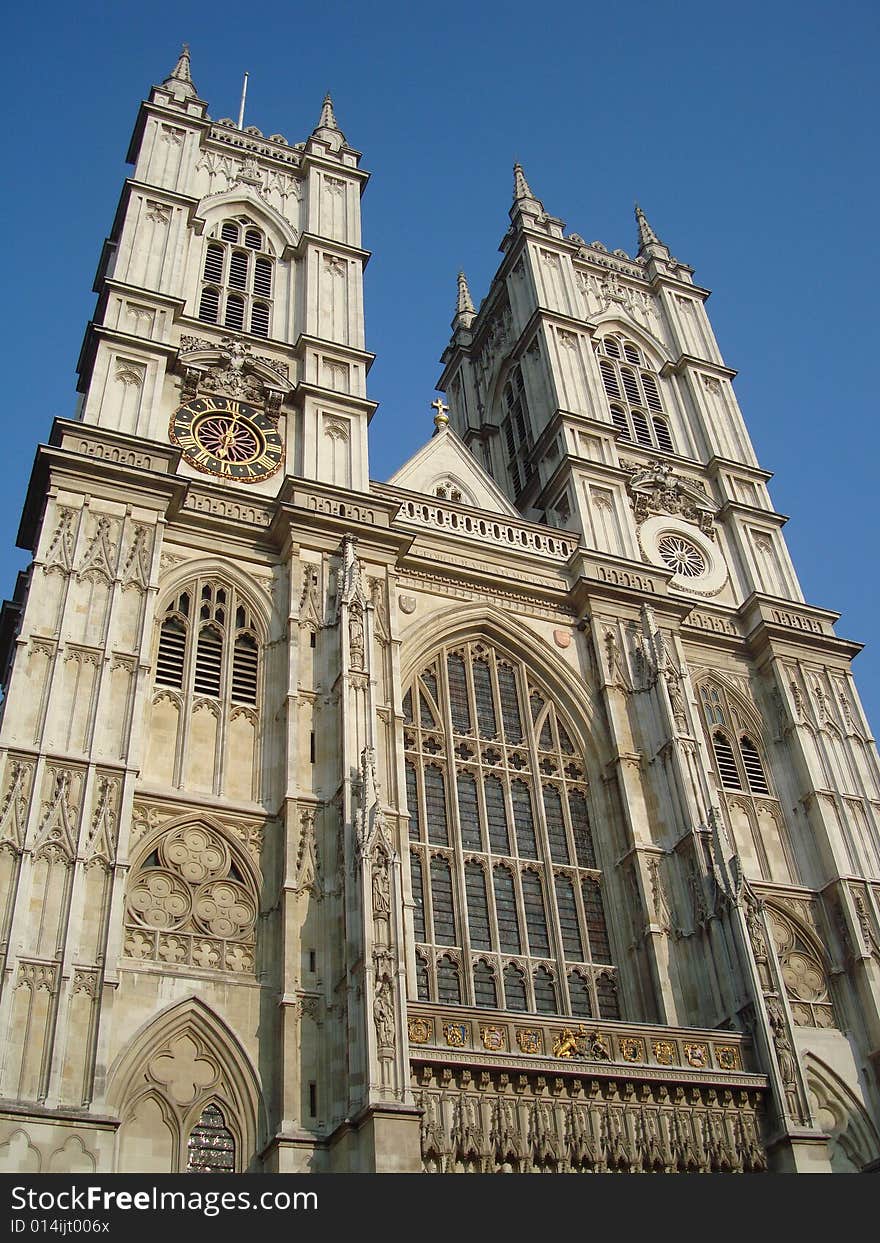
440 418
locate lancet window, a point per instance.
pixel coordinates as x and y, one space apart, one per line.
738 759
208 644
205 716
633 394
237 278
509 906
516 430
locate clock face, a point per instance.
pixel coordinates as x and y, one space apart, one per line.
228 438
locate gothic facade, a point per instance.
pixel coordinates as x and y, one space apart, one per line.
516 814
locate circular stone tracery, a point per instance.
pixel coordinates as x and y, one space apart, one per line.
681 556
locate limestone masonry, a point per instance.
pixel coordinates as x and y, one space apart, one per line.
516 814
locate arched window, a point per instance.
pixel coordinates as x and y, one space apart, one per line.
804 973
208 654
516 430
633 394
500 826
238 276
738 758
210 1147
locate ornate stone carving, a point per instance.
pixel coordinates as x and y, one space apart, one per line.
383 1010
100 843
136 566
14 805
311 604
57 832
655 489
659 898
308 866
192 888
59 555
233 370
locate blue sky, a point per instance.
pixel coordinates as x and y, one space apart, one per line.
747 132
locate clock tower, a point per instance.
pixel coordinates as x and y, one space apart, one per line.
184 744
517 814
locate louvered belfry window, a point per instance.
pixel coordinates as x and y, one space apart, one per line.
738 755
633 394
237 279
508 904
208 645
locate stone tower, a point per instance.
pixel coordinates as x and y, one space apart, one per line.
515 814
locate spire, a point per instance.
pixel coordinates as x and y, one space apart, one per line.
464 307
521 189
526 207
327 119
649 242
179 81
327 130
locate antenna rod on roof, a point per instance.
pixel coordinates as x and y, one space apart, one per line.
243 98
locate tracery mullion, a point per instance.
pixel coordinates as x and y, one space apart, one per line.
453 824
528 960
540 822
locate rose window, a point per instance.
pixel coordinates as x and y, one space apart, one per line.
681 556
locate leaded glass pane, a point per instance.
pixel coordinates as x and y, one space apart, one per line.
485 704
555 825
210 1147
505 910
412 799
468 811
509 705
580 824
441 900
568 919
418 892
514 989
484 986
458 697
523 820
426 715
536 919
496 816
423 991
435 806
545 992
477 906
448 982
607 994
600 950
579 993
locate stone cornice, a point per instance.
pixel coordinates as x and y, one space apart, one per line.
770 516
304 341
776 627
173 115
327 243
716 465
363 404
89 455
685 362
